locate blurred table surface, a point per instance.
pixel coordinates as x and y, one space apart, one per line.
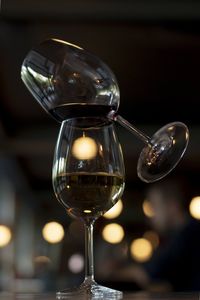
126 296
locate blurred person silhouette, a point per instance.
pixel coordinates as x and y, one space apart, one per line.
175 264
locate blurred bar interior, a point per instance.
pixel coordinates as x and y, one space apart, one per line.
153 48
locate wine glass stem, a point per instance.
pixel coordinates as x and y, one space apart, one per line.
142 136
89 255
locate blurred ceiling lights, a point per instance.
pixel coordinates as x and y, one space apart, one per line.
113 233
53 232
5 235
141 250
194 207
147 209
84 148
76 263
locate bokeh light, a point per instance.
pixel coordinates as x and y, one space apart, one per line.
194 207
113 233
141 250
84 148
5 235
53 232
152 237
147 209
76 263
115 211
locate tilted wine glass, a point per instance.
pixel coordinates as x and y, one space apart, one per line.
69 81
88 179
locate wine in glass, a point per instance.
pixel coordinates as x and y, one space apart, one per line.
88 179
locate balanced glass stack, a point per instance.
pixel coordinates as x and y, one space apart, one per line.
81 92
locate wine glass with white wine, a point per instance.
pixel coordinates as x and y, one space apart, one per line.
88 179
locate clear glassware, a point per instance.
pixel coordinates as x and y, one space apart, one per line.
88 179
69 82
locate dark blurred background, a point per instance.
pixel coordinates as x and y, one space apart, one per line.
153 47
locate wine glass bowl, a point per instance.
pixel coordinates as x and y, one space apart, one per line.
69 81
163 152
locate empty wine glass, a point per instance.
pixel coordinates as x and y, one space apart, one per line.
88 179
69 81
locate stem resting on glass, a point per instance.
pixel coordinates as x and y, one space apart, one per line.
141 135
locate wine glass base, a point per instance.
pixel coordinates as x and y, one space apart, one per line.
93 291
163 153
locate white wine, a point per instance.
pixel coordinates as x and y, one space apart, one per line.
88 195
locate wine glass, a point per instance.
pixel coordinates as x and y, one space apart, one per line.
68 81
88 179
